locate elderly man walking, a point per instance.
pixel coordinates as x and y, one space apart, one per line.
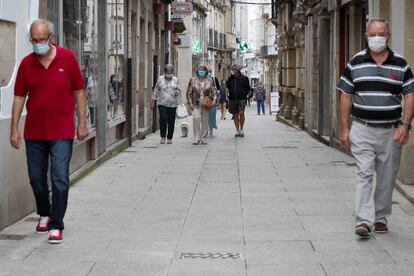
237 89
51 80
373 85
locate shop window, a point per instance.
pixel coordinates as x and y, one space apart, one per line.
80 36
115 43
7 53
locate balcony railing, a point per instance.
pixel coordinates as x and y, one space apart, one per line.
210 37
216 39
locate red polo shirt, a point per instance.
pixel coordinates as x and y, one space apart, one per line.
51 103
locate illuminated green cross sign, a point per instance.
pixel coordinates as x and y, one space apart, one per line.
244 46
197 47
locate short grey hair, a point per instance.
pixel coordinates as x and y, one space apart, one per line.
381 20
41 21
203 67
168 68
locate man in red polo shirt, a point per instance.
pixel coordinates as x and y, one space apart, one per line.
51 80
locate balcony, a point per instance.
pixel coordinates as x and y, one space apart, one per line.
210 37
267 51
263 51
230 41
275 7
216 40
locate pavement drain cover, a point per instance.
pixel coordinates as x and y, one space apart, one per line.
395 202
210 255
11 237
151 147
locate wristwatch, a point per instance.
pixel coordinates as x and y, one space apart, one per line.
406 125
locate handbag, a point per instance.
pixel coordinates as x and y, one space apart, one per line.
207 103
181 111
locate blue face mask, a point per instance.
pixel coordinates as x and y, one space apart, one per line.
41 49
202 74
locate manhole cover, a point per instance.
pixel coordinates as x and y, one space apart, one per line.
210 255
395 202
11 237
150 147
31 219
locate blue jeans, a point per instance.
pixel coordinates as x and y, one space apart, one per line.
60 153
212 118
260 103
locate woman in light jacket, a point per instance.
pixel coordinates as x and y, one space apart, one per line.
168 95
199 88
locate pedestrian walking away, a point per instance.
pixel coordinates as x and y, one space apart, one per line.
260 97
201 96
372 87
51 80
223 100
167 95
237 89
212 120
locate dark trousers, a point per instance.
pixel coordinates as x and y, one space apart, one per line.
60 153
167 121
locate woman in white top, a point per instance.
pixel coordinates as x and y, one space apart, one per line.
167 93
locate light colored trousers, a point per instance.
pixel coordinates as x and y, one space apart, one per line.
200 124
376 152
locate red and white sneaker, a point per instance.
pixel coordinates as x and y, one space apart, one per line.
43 225
55 236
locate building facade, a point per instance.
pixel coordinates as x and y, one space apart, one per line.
121 45
316 40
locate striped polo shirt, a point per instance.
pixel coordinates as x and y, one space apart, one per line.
377 90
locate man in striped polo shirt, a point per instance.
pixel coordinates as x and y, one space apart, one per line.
373 85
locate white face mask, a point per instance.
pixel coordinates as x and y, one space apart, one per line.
377 43
168 76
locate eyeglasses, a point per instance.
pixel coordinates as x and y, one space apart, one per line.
383 34
40 40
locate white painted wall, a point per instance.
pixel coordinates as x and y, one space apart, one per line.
22 13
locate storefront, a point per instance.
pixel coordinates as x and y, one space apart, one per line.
120 64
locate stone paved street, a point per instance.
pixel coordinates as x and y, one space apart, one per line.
275 202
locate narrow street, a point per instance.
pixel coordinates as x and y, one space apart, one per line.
275 202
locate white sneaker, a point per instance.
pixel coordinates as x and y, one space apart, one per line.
210 132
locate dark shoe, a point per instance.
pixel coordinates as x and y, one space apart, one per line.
363 231
241 133
237 134
381 228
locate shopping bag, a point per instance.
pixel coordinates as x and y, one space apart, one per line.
181 111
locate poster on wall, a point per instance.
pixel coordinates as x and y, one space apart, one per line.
274 102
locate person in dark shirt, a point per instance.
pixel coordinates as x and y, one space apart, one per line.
237 90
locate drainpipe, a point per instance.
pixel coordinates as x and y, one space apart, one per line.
324 70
